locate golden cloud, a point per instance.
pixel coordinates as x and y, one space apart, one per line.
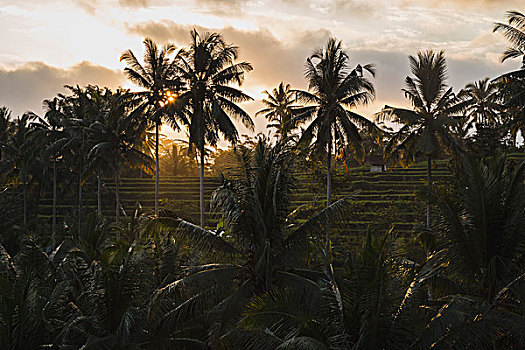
25 87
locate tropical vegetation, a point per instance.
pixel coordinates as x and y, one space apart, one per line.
89 259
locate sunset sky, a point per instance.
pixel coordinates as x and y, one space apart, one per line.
49 43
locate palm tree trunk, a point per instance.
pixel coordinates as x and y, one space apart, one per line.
156 168
79 201
329 192
25 204
37 204
201 188
80 172
99 192
117 201
429 184
430 292
54 196
329 175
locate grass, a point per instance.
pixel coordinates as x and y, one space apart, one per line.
379 199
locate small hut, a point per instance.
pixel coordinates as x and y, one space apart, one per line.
376 162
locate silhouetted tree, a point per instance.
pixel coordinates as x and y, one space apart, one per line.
207 69
426 128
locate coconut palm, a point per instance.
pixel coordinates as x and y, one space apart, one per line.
280 110
426 128
116 135
334 89
20 154
158 77
473 258
482 97
511 85
208 69
514 32
113 279
5 120
354 310
485 113
96 109
176 161
5 116
482 234
511 91
51 127
28 298
257 230
78 113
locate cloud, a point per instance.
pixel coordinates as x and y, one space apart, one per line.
336 9
25 87
273 60
163 31
276 60
222 7
355 7
464 4
134 3
393 66
92 6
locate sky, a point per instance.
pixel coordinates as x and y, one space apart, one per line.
47 44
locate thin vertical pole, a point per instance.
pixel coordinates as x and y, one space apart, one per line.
99 192
429 184
54 195
156 168
201 187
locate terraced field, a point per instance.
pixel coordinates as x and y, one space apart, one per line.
180 194
380 199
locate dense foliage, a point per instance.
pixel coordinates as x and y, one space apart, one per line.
263 277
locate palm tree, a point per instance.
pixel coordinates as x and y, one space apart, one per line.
257 230
334 89
426 128
19 151
207 69
514 32
158 77
96 290
482 97
511 85
78 114
95 112
482 233
474 250
116 134
280 110
511 92
51 126
28 285
485 112
354 310
176 161
5 116
5 121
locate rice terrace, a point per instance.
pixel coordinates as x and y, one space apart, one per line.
274 174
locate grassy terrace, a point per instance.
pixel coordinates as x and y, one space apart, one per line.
379 198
